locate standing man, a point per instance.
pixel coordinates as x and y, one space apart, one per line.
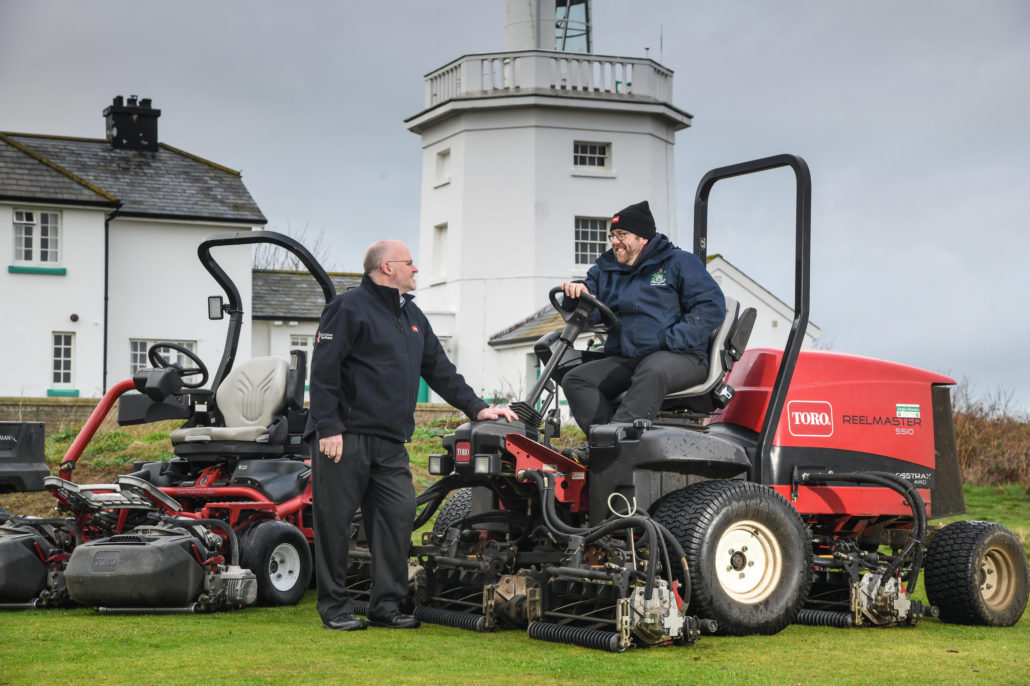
372 346
668 306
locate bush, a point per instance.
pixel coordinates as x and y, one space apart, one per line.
993 440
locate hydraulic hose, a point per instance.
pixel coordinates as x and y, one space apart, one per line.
543 482
906 490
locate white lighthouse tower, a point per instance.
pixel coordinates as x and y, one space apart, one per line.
526 153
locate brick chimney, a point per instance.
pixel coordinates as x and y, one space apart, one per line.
132 125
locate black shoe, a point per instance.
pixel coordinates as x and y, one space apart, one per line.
580 453
395 620
346 622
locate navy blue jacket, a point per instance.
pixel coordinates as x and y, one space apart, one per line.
368 357
666 301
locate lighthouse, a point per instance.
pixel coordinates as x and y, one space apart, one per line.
526 154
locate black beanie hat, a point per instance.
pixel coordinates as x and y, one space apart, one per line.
635 219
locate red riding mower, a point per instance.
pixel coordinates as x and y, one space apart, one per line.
223 524
788 487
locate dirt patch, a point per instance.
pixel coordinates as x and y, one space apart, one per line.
42 504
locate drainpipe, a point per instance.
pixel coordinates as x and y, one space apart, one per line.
107 266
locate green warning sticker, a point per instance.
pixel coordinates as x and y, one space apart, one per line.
908 411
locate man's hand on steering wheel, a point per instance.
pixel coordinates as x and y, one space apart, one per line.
574 289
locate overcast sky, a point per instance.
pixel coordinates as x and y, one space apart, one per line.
914 117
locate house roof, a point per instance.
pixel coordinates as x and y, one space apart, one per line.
531 328
293 295
167 183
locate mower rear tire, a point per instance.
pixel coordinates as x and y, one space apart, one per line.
278 554
976 573
457 507
749 554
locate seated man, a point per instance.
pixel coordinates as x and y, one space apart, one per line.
667 305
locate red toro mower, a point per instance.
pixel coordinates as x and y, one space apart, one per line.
790 486
223 524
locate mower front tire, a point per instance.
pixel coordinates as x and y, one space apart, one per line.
457 507
749 554
278 554
976 573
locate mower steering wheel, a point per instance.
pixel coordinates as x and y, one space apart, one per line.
608 318
158 360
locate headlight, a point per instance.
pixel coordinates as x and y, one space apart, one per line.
441 464
488 464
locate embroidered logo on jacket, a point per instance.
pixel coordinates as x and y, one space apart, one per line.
658 278
323 336
414 328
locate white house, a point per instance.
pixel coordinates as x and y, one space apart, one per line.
102 252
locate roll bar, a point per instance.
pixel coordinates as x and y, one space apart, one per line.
802 264
234 305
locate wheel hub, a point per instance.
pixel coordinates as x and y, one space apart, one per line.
749 562
284 567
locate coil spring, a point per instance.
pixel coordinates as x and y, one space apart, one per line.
577 636
841 620
459 620
435 615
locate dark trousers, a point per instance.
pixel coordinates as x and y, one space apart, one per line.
373 474
591 386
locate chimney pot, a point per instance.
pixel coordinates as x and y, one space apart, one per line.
132 125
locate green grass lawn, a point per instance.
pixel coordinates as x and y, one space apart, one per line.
289 645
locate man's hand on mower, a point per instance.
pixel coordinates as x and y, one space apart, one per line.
331 447
496 413
573 290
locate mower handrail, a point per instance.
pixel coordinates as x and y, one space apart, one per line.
234 306
802 269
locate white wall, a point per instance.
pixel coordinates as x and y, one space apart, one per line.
36 305
510 201
159 289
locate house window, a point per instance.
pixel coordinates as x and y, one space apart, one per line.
37 237
305 343
138 353
591 155
591 239
63 354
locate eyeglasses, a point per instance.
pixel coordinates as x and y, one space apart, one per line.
406 263
619 236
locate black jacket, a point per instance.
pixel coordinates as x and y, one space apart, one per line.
368 356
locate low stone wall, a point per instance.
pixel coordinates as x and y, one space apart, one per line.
57 413
63 413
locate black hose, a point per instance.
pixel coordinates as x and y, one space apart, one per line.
906 490
543 481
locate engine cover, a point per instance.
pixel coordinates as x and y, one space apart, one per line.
22 574
136 570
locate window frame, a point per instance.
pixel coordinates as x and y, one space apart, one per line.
578 154
44 235
67 372
588 257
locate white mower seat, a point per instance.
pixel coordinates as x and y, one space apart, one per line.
249 399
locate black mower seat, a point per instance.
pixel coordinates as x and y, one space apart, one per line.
251 400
